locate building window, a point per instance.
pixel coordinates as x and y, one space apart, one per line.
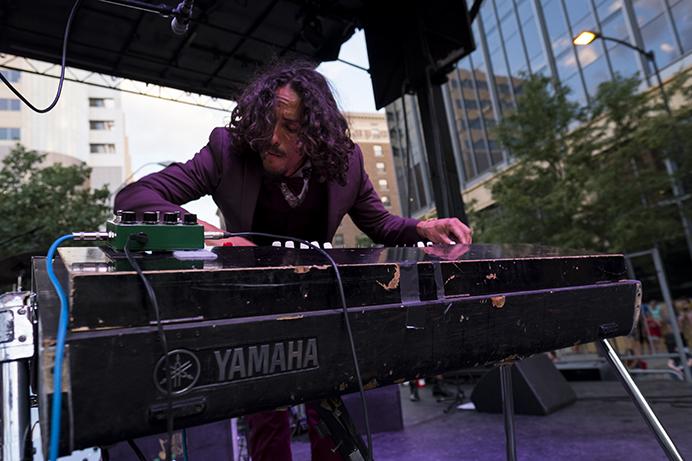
380 167
107 103
102 148
10 134
339 240
384 185
11 75
683 21
101 124
377 149
385 201
9 104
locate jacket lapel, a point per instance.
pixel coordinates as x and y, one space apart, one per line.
335 195
250 184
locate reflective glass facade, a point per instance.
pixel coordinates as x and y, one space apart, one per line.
520 37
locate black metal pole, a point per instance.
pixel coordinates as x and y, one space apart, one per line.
651 57
438 146
508 410
438 141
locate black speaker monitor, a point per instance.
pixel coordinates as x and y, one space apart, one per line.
538 388
404 38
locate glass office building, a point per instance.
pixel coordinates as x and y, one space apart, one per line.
518 37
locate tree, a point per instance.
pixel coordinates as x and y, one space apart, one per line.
363 241
40 203
589 178
632 208
680 89
541 197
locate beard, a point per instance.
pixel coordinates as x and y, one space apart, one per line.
272 161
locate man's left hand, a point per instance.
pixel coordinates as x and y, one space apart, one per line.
445 230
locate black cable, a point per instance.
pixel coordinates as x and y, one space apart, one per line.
137 451
141 237
368 455
28 442
62 67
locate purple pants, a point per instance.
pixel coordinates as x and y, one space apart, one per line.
270 437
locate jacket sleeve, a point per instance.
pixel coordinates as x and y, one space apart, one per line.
370 215
178 183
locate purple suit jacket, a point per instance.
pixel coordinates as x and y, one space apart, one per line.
233 180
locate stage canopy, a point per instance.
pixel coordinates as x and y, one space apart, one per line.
228 40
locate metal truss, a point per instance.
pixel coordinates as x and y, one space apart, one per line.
33 66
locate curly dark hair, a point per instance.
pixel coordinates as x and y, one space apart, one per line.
324 135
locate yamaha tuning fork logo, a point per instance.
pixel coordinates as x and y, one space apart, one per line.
184 372
228 365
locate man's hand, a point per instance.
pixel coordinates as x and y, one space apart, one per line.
447 252
445 230
236 241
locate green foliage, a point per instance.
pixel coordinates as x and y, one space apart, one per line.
588 178
40 203
363 241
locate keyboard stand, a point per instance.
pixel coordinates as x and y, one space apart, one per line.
639 401
336 423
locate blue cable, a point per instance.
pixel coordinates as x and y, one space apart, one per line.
59 350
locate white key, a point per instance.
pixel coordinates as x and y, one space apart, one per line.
327 246
452 242
290 244
420 244
304 246
276 243
429 244
316 243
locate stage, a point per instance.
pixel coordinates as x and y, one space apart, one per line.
602 425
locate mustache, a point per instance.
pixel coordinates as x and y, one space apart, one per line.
274 150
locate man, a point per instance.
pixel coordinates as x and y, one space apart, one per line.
285 165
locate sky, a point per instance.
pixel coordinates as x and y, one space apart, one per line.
163 131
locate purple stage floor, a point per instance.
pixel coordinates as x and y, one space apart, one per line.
602 425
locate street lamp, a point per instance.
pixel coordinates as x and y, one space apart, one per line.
163 163
588 36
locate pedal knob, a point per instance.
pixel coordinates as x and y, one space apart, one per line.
151 217
171 217
189 218
128 217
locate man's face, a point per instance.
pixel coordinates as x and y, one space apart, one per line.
283 158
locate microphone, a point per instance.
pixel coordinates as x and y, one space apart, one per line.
181 17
